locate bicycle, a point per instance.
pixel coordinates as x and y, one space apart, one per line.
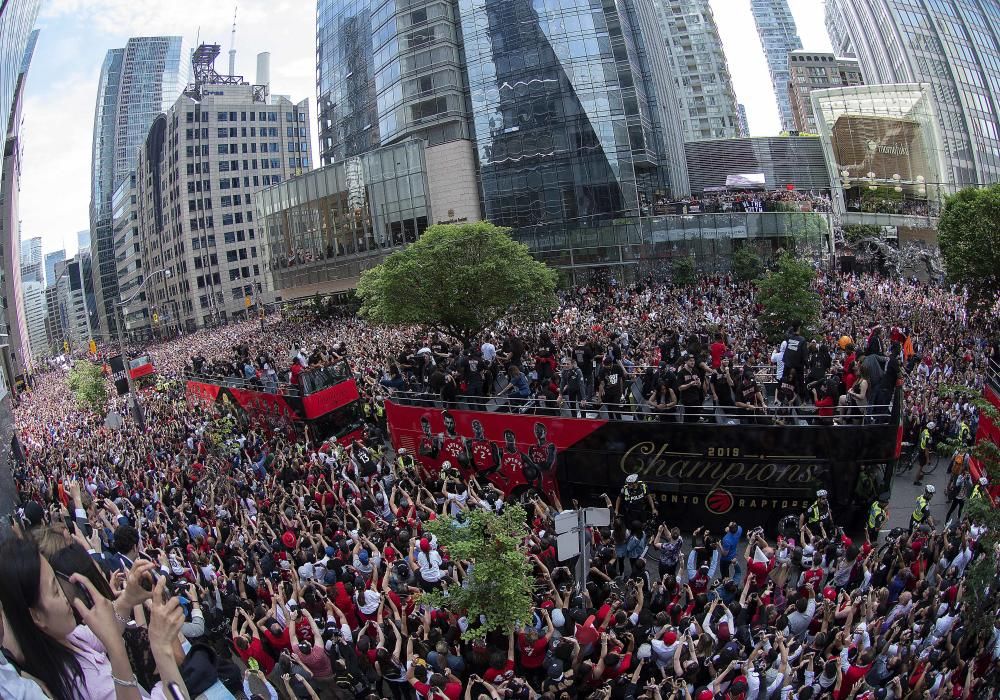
907 458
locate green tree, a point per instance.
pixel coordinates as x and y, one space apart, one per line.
499 587
856 233
787 296
969 237
459 279
682 271
747 264
89 387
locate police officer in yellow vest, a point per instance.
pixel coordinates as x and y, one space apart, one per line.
980 490
406 465
818 515
922 513
877 515
964 433
637 499
925 450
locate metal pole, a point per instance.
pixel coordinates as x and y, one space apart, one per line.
581 524
133 404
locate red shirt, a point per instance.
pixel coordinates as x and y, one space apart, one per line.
278 642
853 675
717 350
492 673
453 689
531 655
759 570
256 651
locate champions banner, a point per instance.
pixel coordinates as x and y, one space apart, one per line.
712 472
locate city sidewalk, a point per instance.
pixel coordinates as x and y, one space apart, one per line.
904 496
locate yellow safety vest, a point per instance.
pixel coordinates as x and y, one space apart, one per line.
814 514
964 432
977 492
925 437
876 516
921 510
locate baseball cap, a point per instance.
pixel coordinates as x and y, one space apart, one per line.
931 425
830 593
363 556
288 539
554 670
821 493
705 695
983 481
930 488
670 637
631 478
33 514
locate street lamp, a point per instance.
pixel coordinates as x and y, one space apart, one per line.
133 403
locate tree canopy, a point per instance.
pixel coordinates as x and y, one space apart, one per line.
787 296
747 264
459 279
89 387
969 238
499 587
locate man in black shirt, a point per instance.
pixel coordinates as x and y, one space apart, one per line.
472 367
611 386
571 386
749 398
794 357
583 353
690 390
724 387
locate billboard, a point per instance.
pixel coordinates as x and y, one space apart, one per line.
885 146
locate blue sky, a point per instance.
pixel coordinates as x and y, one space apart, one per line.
76 34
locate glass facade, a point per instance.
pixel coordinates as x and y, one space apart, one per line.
136 84
325 227
17 18
883 148
388 70
645 246
701 74
570 110
778 36
782 160
952 45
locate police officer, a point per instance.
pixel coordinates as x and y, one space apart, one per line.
637 499
980 490
925 451
818 514
964 433
877 515
922 513
406 465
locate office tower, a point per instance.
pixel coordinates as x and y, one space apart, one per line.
816 71
32 269
83 240
574 111
74 301
778 36
220 142
50 265
741 110
35 315
17 45
136 84
952 45
704 87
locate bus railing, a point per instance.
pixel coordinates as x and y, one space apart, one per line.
768 414
312 381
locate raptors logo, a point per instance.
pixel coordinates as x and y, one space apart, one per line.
720 501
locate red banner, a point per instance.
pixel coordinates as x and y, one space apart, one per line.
330 399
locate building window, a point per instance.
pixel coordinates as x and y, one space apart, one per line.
222 116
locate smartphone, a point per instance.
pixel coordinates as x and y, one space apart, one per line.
74 591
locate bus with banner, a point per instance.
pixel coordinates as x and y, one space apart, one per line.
753 469
327 403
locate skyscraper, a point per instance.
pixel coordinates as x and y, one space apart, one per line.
741 110
952 45
816 71
32 269
778 35
50 265
136 84
701 74
574 110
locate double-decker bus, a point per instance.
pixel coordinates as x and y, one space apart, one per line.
326 402
751 469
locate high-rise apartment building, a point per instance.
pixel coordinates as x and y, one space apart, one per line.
816 71
35 314
952 45
708 108
50 265
136 84
204 158
778 36
741 110
17 45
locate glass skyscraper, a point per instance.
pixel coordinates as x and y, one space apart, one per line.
574 113
136 84
952 45
778 36
701 74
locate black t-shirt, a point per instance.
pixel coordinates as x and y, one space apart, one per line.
584 359
692 395
515 348
794 355
472 370
613 378
723 390
748 391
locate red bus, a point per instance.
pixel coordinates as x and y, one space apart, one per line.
749 469
329 406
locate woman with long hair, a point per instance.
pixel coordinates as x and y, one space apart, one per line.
77 662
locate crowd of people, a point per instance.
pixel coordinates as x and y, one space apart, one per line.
231 561
758 201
